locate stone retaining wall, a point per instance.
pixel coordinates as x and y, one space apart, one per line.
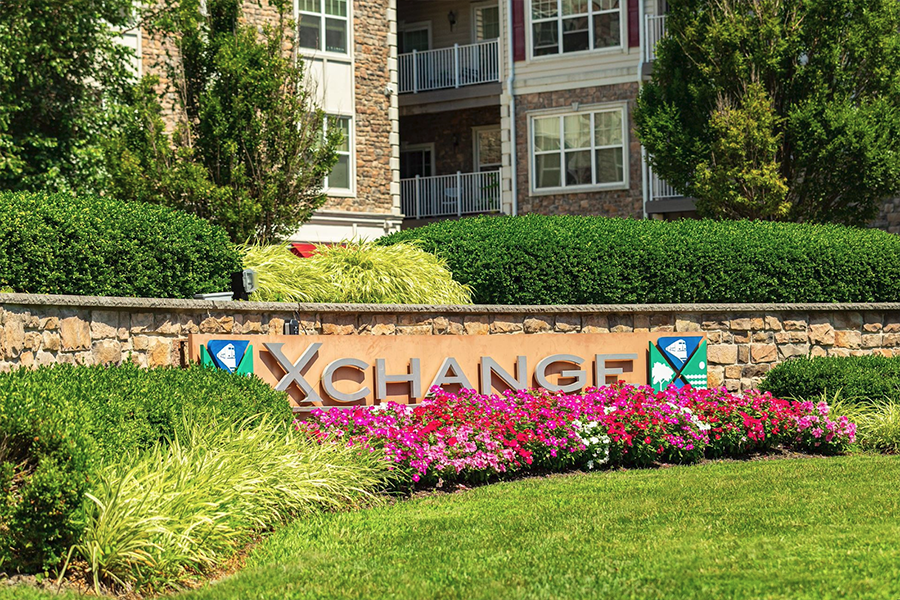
745 340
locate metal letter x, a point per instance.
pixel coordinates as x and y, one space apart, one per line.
292 370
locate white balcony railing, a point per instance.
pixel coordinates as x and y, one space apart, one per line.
654 30
660 189
449 195
454 67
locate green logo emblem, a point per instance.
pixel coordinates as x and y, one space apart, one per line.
678 361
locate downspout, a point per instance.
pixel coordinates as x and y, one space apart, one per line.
513 161
645 176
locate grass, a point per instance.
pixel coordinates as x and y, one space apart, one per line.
806 528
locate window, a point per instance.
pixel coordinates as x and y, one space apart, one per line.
416 37
578 150
560 26
339 178
131 39
323 25
488 148
486 20
417 161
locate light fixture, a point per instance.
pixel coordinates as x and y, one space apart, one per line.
451 17
244 283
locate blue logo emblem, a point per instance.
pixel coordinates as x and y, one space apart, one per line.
234 356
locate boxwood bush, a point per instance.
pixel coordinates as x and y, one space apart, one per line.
856 378
537 259
58 424
63 244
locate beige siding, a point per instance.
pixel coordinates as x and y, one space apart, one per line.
436 13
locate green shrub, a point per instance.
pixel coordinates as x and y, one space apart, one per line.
58 424
537 259
63 244
856 378
357 273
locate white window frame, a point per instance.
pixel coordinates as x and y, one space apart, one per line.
476 152
322 16
476 6
351 153
572 189
418 25
419 148
529 28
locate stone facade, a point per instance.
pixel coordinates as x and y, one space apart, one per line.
451 134
612 203
889 216
745 341
377 117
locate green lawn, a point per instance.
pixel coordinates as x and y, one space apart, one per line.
810 528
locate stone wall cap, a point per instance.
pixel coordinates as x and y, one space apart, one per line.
173 304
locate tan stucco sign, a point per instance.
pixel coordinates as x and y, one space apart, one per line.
340 371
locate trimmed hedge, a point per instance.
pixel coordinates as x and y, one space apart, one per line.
58 424
537 259
64 244
857 378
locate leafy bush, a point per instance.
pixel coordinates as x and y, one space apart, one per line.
185 506
856 378
58 424
359 273
250 149
64 244
537 259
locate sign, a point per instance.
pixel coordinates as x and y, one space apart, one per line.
341 371
230 355
678 361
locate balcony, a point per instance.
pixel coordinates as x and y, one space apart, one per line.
663 198
654 30
447 68
450 195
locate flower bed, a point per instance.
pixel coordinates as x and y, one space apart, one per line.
472 437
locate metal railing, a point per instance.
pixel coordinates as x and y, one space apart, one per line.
449 195
454 67
654 30
660 189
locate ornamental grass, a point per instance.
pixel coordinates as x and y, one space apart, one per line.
355 273
156 517
282 277
877 421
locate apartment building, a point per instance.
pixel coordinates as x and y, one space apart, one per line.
460 107
526 106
